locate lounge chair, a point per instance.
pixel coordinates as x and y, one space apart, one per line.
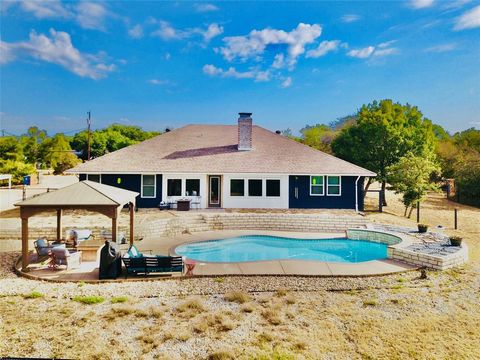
43 247
63 256
138 263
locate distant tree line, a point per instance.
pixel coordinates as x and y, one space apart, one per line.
404 148
22 155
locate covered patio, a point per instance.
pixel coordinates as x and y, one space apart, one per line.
84 195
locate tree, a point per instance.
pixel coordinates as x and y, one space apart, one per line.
468 138
31 144
10 148
58 154
410 176
319 137
384 133
18 169
467 177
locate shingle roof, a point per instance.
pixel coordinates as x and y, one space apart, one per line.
83 193
212 149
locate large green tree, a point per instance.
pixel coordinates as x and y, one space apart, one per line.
383 133
319 137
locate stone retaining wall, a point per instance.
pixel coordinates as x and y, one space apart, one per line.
374 236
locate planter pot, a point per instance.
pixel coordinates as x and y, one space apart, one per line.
422 228
456 241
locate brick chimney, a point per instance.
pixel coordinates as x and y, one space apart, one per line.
245 131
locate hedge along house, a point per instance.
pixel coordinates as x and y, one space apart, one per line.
228 166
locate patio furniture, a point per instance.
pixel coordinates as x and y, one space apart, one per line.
190 264
43 247
183 205
164 206
106 235
138 263
196 202
63 256
75 236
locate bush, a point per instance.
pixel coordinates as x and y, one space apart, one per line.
237 296
119 299
89 300
33 295
17 169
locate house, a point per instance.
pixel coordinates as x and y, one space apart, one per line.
230 166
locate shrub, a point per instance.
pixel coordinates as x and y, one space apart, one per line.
33 295
89 300
272 316
119 299
247 308
237 296
220 355
281 292
219 280
370 302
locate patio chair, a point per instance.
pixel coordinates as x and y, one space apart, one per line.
63 256
43 247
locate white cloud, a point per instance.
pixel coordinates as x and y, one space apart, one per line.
45 9
136 32
441 48
362 53
206 7
157 82
278 61
324 48
168 32
212 31
91 15
286 83
421 4
382 49
58 49
231 72
255 43
349 18
469 20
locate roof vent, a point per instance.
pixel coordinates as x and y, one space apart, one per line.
278 132
245 131
167 130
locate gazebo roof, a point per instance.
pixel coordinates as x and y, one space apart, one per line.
83 193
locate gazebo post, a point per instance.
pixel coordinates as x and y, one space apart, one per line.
59 225
25 258
114 226
131 208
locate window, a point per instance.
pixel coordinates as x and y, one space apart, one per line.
273 187
333 185
254 187
316 185
237 187
192 187
94 177
148 186
174 187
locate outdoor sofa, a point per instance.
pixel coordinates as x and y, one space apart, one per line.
138 263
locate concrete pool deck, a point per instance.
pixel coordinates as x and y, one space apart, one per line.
88 271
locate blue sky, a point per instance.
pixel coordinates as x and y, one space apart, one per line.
167 64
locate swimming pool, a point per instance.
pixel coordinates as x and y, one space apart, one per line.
263 247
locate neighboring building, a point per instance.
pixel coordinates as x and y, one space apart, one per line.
230 166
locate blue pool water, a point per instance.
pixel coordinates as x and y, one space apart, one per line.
260 247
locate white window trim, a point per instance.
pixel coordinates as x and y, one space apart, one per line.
245 189
154 187
273 196
339 185
99 175
323 183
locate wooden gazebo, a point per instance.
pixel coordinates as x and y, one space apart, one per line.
86 195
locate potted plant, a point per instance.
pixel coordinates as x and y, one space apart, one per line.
422 228
456 241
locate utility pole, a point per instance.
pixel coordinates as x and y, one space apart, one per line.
89 123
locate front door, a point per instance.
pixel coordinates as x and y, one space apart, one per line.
215 191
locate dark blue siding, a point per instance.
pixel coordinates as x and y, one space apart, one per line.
133 182
305 201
